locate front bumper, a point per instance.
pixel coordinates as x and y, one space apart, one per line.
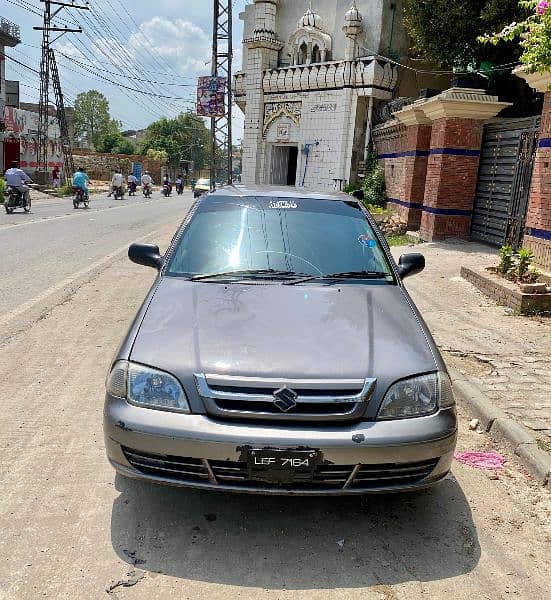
197 451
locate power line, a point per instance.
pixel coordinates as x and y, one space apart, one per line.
19 63
119 52
49 65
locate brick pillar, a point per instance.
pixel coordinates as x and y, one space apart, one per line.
416 153
457 117
403 146
538 219
452 173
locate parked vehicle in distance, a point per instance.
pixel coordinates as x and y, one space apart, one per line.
278 352
201 187
79 197
16 199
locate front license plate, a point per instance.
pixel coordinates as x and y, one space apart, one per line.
282 466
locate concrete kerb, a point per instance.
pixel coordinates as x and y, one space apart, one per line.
503 428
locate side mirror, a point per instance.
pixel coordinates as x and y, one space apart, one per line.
147 255
410 264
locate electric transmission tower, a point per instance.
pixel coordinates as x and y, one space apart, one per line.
48 69
221 127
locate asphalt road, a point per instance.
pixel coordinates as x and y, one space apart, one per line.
46 251
71 529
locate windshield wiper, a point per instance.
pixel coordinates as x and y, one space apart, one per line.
267 273
344 275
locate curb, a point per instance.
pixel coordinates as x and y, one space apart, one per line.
503 428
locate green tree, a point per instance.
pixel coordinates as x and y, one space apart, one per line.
114 143
92 118
445 33
534 34
182 138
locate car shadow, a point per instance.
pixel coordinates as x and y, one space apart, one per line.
295 543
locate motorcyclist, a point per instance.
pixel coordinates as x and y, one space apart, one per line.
147 180
117 181
17 178
167 181
132 183
80 179
179 183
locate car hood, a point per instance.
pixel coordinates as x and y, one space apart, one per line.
272 330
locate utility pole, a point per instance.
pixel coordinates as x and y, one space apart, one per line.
48 66
221 127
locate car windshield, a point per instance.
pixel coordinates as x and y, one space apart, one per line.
289 236
203 182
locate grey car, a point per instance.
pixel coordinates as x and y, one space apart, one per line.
278 352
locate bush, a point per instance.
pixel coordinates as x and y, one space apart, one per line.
524 262
2 188
375 186
66 190
506 260
517 267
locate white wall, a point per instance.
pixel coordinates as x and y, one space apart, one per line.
377 17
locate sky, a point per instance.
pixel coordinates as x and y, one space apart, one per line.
155 46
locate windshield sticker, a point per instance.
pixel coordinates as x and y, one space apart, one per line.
282 204
365 240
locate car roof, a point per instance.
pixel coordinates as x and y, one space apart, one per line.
273 191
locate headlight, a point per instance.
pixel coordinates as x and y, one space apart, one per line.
417 397
146 387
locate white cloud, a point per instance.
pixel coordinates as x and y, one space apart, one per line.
185 46
69 49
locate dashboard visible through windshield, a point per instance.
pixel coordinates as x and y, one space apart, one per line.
293 236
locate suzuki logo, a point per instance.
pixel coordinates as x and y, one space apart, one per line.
285 399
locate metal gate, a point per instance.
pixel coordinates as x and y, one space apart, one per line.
506 162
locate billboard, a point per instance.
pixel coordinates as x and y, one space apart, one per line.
211 96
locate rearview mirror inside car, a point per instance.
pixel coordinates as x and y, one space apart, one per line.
147 255
410 264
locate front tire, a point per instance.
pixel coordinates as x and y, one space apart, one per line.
75 203
27 206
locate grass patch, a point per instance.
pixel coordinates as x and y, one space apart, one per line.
544 445
401 240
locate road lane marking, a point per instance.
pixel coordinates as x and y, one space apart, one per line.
58 287
76 214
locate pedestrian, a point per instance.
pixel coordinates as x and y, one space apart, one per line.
56 181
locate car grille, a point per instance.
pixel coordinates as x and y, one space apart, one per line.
233 474
248 398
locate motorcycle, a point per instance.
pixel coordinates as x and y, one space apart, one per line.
79 197
147 190
16 199
180 188
118 193
132 188
167 190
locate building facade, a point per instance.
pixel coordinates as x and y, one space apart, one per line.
312 77
21 134
9 38
19 121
